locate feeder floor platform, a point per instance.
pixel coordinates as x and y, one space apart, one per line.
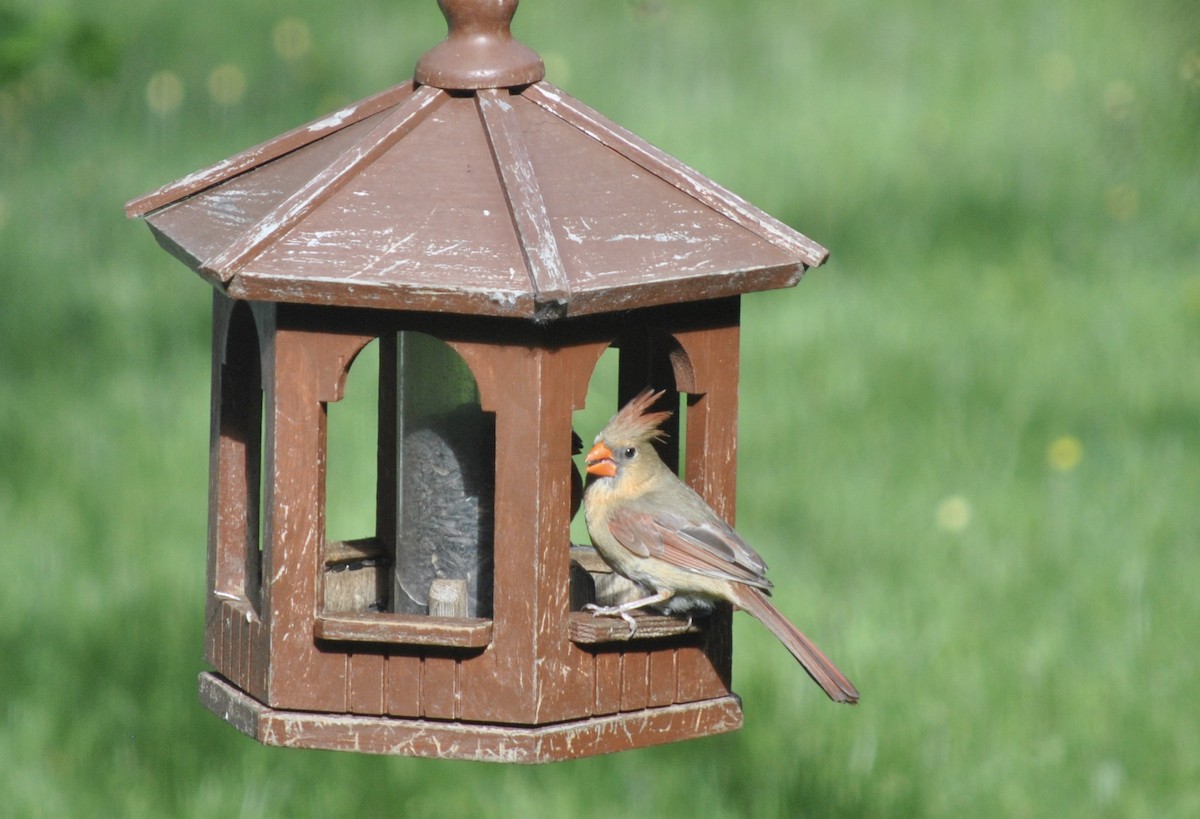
463 740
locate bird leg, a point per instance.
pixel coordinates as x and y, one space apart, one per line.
623 610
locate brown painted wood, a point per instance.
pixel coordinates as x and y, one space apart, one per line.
606 672
588 629
441 693
518 203
236 639
365 675
294 498
461 740
479 50
330 180
406 629
268 151
551 287
635 680
402 685
513 666
663 165
662 679
714 354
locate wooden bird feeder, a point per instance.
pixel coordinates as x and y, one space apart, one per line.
495 236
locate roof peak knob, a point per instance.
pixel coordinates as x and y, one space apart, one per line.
479 50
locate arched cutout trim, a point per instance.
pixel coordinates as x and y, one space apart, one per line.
428 408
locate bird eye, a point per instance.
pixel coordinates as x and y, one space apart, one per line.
629 452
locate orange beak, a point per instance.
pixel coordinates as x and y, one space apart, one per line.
600 462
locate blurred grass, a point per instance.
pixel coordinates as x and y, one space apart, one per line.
968 445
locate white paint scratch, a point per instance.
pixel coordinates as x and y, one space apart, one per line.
672 236
214 170
503 298
318 239
333 120
440 251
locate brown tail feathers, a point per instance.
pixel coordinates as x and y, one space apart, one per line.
818 666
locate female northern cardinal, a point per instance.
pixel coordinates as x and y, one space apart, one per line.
653 529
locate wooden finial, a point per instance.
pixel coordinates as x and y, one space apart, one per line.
479 50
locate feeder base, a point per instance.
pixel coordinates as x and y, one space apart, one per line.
462 740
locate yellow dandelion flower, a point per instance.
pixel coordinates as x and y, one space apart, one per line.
292 39
227 84
954 513
1064 453
164 93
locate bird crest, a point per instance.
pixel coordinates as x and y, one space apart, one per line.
634 423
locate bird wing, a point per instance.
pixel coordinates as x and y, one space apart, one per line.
708 547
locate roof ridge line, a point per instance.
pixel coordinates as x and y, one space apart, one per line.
526 206
407 115
674 172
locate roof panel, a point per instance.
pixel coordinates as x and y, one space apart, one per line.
520 203
208 222
618 224
429 214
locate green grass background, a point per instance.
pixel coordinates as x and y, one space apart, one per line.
968 443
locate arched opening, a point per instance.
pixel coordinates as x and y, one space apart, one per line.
239 569
598 408
445 483
356 566
410 471
638 359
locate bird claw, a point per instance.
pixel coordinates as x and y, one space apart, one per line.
613 611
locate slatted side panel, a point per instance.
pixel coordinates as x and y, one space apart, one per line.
431 687
633 680
405 685
237 648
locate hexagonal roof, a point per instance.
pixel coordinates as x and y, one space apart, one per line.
508 201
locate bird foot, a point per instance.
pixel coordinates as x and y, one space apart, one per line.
614 611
